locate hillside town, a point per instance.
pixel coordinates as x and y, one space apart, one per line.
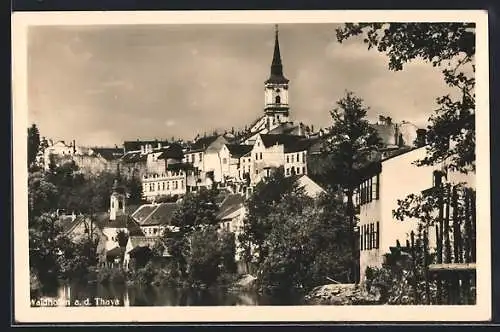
235 163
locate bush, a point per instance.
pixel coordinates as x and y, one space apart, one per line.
145 275
111 275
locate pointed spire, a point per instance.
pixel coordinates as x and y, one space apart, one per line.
276 65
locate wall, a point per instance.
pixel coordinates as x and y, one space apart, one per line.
168 183
400 178
110 233
297 161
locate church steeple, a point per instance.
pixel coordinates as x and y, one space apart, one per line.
276 65
276 89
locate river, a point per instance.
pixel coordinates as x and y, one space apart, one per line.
123 295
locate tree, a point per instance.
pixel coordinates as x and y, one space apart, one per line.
196 212
227 247
451 132
204 260
122 238
349 147
33 144
307 245
259 205
134 187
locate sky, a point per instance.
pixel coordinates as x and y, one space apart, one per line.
101 85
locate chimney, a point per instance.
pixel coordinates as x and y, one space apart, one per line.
421 139
142 149
159 145
381 119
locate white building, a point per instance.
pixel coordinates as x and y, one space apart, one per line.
385 183
274 151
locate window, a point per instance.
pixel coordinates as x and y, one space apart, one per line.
176 184
293 160
297 170
182 184
224 161
369 236
298 157
278 99
288 171
369 190
163 184
120 204
261 156
303 170
200 157
168 185
287 159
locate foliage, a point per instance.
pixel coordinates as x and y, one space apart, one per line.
122 238
196 211
33 144
401 279
108 275
146 275
200 254
227 249
204 260
453 50
77 258
305 240
348 149
45 241
259 205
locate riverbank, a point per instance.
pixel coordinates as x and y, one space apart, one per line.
341 294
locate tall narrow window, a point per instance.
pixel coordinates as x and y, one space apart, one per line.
375 187
377 239
361 238
287 159
278 99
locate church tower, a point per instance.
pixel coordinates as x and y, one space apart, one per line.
117 200
276 90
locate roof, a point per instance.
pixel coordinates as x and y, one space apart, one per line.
162 215
311 188
121 221
136 145
300 145
68 224
202 143
179 166
151 215
109 153
138 242
173 151
133 157
143 212
238 150
115 252
276 65
280 139
231 203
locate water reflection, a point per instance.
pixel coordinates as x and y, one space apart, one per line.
84 294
